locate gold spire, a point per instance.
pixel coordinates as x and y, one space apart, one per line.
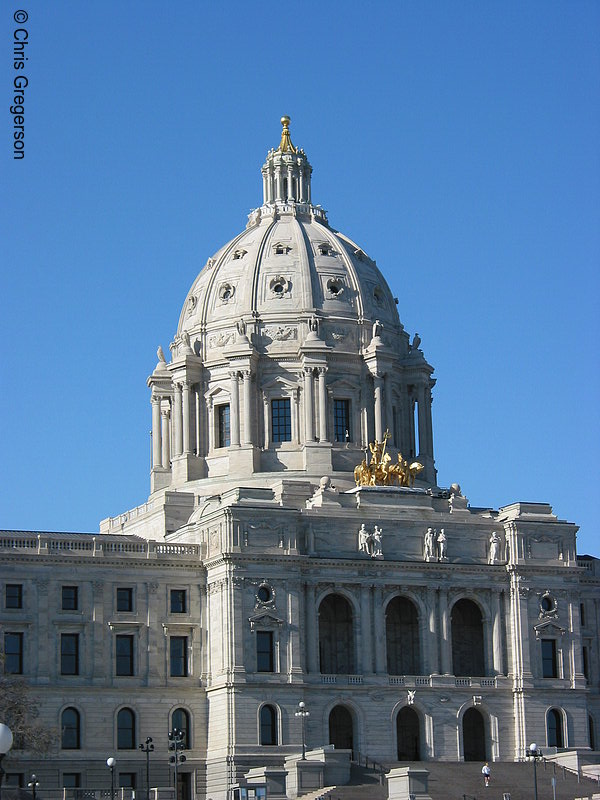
285 145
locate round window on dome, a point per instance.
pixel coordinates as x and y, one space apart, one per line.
279 286
226 292
378 295
265 593
335 287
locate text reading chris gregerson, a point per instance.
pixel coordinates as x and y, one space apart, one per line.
20 83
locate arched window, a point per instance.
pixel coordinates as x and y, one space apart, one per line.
180 720
341 728
336 644
554 728
474 741
408 735
467 639
268 725
402 637
126 729
70 729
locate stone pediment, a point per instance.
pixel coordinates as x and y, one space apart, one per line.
548 628
264 620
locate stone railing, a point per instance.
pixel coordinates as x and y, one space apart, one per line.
93 546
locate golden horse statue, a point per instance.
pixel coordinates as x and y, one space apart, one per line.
381 472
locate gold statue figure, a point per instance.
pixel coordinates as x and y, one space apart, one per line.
381 472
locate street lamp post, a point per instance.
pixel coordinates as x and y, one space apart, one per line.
33 784
534 754
110 763
147 749
6 742
303 714
176 745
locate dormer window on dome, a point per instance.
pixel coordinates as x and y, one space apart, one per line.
281 249
325 249
239 254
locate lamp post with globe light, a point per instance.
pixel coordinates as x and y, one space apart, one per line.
534 754
33 784
111 763
148 748
176 744
303 714
6 742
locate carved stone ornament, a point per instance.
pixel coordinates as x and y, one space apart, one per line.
279 286
221 339
281 333
191 304
264 620
334 288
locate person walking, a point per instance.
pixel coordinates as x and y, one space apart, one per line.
486 772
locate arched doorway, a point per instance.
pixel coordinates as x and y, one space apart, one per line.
473 730
341 728
402 637
408 735
336 638
467 639
555 728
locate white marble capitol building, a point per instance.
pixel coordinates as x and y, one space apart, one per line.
264 570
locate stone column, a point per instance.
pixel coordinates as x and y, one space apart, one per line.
166 437
389 416
186 418
444 637
497 666
234 410
422 420
301 185
290 191
308 405
199 406
177 421
278 184
265 187
322 405
156 440
428 401
247 407
366 630
378 387
430 649
380 662
266 421
312 630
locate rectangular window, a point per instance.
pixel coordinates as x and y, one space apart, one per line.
13 653
69 654
124 649
178 601
124 599
264 651
341 421
71 780
224 430
281 420
582 614
14 595
586 663
178 656
549 664
69 598
14 780
127 780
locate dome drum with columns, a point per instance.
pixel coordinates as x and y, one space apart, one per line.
289 353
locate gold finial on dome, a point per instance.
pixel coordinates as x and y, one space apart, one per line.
285 145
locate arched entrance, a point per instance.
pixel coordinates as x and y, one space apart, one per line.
408 735
341 728
402 637
473 730
467 639
336 642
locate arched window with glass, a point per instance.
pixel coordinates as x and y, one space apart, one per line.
268 725
70 729
554 728
125 729
180 720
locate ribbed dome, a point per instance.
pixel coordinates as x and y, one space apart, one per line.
288 266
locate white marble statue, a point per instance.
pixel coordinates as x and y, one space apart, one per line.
376 538
363 540
495 543
161 355
428 545
442 542
411 697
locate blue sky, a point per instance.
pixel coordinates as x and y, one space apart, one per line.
457 142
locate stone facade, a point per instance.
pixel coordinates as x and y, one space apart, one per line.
258 575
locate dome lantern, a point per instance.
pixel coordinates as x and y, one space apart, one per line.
286 172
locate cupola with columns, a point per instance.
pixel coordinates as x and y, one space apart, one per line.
289 355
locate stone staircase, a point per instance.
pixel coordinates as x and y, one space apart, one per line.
463 781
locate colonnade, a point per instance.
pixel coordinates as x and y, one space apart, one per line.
434 627
180 414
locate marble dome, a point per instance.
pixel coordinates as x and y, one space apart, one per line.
290 265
